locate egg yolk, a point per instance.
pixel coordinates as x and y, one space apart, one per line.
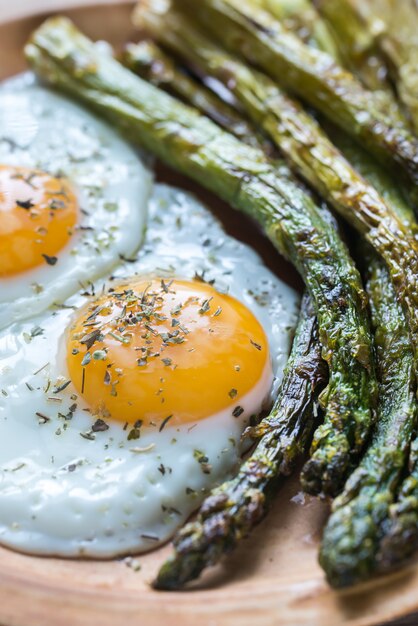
166 351
37 216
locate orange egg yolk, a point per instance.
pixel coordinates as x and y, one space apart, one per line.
159 351
37 215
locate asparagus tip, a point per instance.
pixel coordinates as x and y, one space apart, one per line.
324 473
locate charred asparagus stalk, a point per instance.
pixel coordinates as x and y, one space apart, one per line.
350 546
354 537
374 522
301 17
370 529
244 177
312 155
230 513
149 61
312 75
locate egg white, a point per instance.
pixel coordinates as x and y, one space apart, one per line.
40 129
67 491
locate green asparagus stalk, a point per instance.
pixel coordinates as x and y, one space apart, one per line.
312 75
357 42
350 545
150 62
313 156
245 178
301 17
231 512
368 530
374 522
355 533
400 541
398 42
358 45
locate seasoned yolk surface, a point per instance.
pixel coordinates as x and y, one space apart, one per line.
158 351
37 215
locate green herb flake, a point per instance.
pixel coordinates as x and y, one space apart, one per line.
119 338
176 309
37 331
86 359
88 435
99 355
111 207
133 434
203 461
61 387
205 306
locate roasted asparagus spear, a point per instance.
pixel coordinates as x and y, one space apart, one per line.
354 538
232 510
310 152
149 61
244 177
400 540
357 42
314 76
350 546
374 524
395 25
360 51
301 17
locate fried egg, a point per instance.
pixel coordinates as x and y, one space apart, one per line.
122 409
73 198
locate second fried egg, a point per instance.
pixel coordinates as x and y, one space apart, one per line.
73 198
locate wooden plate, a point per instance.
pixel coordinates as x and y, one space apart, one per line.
274 577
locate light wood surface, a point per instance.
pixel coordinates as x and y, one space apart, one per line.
273 579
